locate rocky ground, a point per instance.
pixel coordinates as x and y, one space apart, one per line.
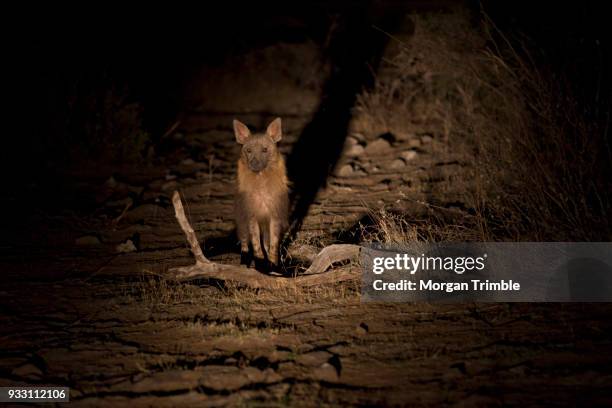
83 305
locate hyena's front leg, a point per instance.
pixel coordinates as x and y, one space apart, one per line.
265 233
275 232
255 237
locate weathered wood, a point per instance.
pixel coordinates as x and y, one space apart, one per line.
316 274
254 279
330 255
190 234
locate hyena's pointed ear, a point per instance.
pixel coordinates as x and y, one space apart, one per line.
241 131
274 130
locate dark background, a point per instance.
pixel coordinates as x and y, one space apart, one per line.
154 51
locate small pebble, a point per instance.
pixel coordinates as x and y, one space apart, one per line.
397 164
355 150
408 155
170 185
126 247
377 146
345 170
351 141
416 142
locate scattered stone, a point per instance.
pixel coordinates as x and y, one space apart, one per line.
416 142
326 372
170 185
397 164
170 176
27 371
345 171
314 359
361 329
405 136
355 150
188 162
358 136
426 139
351 141
87 240
408 155
378 146
227 378
126 247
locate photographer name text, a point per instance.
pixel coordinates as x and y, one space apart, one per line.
431 285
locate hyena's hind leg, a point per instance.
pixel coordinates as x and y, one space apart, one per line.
245 255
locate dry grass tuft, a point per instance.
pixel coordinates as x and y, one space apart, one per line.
157 293
291 295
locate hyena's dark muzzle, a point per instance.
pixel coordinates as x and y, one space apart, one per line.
257 164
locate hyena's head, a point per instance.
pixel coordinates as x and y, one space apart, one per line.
258 150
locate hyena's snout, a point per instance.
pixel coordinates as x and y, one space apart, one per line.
257 164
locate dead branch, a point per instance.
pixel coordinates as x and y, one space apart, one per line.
128 205
190 234
316 274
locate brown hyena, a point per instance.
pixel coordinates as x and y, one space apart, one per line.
262 194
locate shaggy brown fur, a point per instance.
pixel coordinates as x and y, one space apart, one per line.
262 193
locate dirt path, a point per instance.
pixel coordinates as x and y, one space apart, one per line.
80 307
119 344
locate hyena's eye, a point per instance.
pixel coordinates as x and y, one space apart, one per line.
264 149
249 150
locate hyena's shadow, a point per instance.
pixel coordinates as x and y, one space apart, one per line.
214 247
355 52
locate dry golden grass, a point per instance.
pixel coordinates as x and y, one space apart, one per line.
333 294
396 229
157 293
541 157
539 165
